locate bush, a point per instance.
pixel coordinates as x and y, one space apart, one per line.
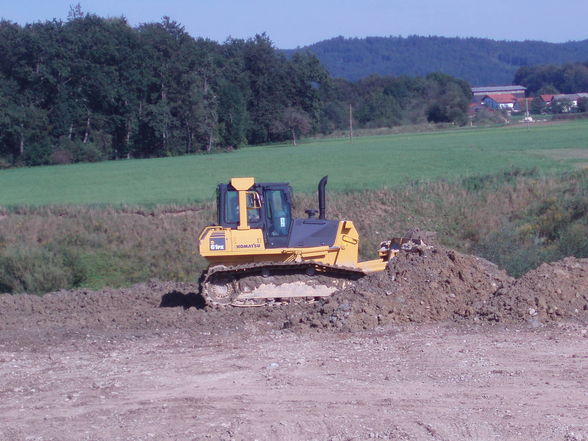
38 270
4 164
552 228
574 240
489 117
37 154
61 156
77 151
512 252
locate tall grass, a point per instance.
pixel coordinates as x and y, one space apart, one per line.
63 247
517 219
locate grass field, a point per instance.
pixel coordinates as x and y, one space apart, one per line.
366 163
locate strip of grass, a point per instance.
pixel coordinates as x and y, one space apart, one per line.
366 163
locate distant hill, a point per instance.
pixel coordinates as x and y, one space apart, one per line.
481 62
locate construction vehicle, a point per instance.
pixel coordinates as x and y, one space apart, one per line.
258 253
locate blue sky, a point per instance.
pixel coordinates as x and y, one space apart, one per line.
300 22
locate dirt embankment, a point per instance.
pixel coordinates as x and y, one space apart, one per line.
429 285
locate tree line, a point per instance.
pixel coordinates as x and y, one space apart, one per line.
92 88
553 79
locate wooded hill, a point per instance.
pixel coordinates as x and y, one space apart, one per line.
91 88
481 62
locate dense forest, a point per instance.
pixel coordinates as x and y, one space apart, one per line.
92 88
481 62
553 79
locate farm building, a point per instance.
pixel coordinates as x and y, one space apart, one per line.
507 102
517 102
479 93
566 102
571 97
504 101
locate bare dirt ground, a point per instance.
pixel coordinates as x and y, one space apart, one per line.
441 346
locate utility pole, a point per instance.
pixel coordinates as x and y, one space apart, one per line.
527 105
350 123
527 114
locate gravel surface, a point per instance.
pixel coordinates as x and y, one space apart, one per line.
440 346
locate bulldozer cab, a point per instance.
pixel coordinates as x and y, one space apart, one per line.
268 206
244 204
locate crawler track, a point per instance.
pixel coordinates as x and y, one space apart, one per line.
257 284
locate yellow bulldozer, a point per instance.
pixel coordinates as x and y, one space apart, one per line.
258 253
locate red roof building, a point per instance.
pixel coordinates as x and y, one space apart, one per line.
499 101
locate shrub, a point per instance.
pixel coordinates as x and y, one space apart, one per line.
574 240
37 154
61 156
4 164
489 117
516 254
36 270
78 151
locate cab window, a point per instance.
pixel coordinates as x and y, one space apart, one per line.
278 213
253 207
232 207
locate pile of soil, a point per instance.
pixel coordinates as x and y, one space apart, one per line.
429 284
550 292
438 284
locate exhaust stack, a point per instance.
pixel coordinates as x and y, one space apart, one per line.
322 197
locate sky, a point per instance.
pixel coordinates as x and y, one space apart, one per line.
296 23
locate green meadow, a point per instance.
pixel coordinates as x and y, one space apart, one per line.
365 163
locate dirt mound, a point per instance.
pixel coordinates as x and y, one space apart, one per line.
431 284
437 284
552 291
